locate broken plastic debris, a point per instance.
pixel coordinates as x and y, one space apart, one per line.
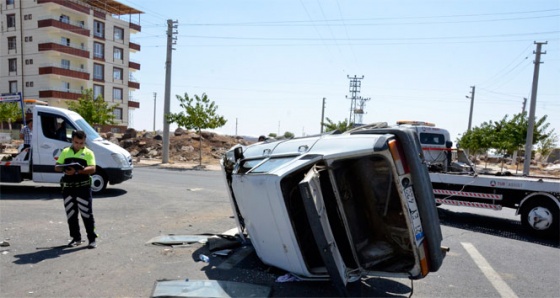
4 243
204 258
223 252
288 277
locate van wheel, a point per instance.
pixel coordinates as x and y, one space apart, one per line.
98 181
541 217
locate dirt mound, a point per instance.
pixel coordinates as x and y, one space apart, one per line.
183 145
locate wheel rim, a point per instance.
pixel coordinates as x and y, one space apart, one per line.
97 183
540 218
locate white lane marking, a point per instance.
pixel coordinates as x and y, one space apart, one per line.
503 289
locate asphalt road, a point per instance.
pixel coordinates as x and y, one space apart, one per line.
491 256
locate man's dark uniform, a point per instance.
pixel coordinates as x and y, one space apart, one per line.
76 193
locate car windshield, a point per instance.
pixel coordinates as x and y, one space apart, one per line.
90 132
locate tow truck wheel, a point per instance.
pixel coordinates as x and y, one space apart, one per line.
541 217
98 181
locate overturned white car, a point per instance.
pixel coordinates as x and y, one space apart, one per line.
338 205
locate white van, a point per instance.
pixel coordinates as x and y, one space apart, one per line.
52 130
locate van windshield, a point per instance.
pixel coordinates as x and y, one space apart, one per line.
90 132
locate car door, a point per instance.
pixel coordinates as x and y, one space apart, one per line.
319 223
53 136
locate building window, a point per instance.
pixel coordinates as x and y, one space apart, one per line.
64 19
11 20
118 33
12 43
65 41
28 38
9 2
98 29
13 87
28 17
12 65
65 64
117 73
98 91
98 50
118 53
66 86
117 94
98 70
28 61
118 113
29 84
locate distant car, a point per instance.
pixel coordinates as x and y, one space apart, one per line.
494 153
342 206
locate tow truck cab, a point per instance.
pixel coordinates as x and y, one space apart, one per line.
340 206
436 142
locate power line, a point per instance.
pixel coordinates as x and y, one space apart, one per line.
312 23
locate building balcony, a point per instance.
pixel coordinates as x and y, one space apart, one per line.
133 85
77 28
68 49
62 94
133 46
64 71
133 104
98 14
135 27
70 4
134 65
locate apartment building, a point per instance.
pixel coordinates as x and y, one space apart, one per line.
52 50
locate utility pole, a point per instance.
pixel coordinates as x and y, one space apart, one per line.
171 40
323 114
524 103
472 106
154 128
359 110
532 107
355 85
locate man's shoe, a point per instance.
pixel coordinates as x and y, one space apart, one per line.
92 244
74 243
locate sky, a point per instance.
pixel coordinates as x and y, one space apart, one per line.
268 65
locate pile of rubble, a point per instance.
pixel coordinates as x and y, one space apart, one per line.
183 145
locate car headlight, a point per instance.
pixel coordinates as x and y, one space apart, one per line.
120 159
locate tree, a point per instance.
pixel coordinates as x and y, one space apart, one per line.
288 135
95 111
10 112
546 146
505 135
341 126
200 113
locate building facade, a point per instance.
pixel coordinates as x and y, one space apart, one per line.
52 50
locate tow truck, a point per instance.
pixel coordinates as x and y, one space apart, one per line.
536 199
52 130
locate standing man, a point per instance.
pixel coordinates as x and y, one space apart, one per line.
25 134
78 163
